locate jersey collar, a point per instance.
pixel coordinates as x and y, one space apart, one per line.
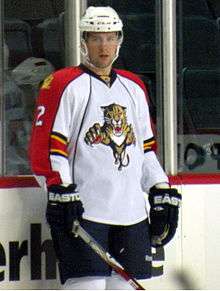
112 75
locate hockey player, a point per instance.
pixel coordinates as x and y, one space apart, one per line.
92 142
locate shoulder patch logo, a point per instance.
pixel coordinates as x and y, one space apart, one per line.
115 133
47 82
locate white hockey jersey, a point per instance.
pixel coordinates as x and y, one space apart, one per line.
100 138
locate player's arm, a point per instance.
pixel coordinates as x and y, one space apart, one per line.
49 139
164 201
152 172
49 152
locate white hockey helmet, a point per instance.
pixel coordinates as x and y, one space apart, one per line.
32 71
100 19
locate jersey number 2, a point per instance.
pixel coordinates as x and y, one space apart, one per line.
41 111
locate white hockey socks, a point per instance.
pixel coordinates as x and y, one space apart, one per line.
85 283
115 282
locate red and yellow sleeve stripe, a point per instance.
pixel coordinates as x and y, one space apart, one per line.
58 144
149 145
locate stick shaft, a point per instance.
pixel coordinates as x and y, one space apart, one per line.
86 237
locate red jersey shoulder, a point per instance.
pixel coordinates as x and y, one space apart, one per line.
133 77
61 77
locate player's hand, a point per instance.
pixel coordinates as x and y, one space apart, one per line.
164 212
63 207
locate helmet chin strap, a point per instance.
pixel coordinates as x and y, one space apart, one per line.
85 53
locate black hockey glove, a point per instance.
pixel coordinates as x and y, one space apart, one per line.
164 212
63 207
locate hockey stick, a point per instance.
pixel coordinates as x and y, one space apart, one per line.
79 231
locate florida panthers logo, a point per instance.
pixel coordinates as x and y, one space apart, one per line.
115 133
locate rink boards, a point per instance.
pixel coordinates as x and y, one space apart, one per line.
27 259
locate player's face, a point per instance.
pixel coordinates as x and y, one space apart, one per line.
102 47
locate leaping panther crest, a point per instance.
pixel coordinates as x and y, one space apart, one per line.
115 133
